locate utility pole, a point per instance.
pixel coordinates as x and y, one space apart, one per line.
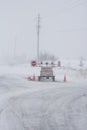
15 47
38 33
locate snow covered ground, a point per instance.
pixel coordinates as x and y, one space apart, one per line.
28 105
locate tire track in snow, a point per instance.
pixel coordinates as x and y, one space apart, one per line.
74 112
57 106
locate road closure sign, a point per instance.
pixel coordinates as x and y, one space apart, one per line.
46 71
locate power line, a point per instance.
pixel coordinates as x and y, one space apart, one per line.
73 30
38 33
72 5
78 3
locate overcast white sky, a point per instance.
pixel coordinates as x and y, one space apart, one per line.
63 29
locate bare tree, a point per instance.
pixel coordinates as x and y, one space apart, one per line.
46 56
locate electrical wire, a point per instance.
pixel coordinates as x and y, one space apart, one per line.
70 5
73 29
78 3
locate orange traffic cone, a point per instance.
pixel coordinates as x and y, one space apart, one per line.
33 77
29 78
64 78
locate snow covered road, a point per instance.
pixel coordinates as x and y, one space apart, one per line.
26 105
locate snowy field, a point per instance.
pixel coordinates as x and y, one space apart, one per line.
33 105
